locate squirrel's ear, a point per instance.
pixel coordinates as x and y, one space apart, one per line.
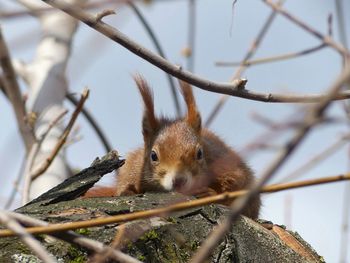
150 123
193 117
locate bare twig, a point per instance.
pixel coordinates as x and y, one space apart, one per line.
234 88
27 172
314 115
54 228
325 39
134 47
105 254
13 92
32 173
160 51
339 7
15 191
107 145
273 58
31 158
42 168
276 128
251 51
344 234
27 238
37 11
316 159
104 13
79 240
191 34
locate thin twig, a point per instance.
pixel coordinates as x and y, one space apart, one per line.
251 51
325 39
234 88
13 92
54 228
104 255
32 155
73 238
344 230
269 123
27 173
15 190
275 130
32 173
27 238
344 234
43 166
291 55
314 116
137 49
100 134
273 58
104 13
339 8
326 153
160 51
38 11
191 34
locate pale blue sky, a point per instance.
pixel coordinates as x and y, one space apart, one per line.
106 69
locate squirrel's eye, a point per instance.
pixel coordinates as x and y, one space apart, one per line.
154 156
199 154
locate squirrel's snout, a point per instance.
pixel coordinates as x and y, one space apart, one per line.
179 182
175 181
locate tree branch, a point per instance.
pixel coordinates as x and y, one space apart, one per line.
325 39
314 116
235 88
276 58
43 166
27 238
160 51
121 218
77 239
11 88
134 47
107 145
251 51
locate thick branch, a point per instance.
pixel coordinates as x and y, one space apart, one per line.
235 88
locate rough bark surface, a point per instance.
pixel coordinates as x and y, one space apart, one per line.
171 238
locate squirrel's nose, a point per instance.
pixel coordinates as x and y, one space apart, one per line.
179 182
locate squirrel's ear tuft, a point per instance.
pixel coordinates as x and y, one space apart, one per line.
193 117
150 123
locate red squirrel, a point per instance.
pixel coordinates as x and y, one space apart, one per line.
180 155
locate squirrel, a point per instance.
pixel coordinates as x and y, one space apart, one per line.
180 155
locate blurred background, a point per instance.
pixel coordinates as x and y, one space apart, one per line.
223 32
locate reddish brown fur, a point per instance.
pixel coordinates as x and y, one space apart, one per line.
189 159
193 117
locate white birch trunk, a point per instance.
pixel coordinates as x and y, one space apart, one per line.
47 84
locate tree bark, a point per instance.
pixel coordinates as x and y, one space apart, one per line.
169 238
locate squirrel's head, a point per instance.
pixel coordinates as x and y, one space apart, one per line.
174 154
